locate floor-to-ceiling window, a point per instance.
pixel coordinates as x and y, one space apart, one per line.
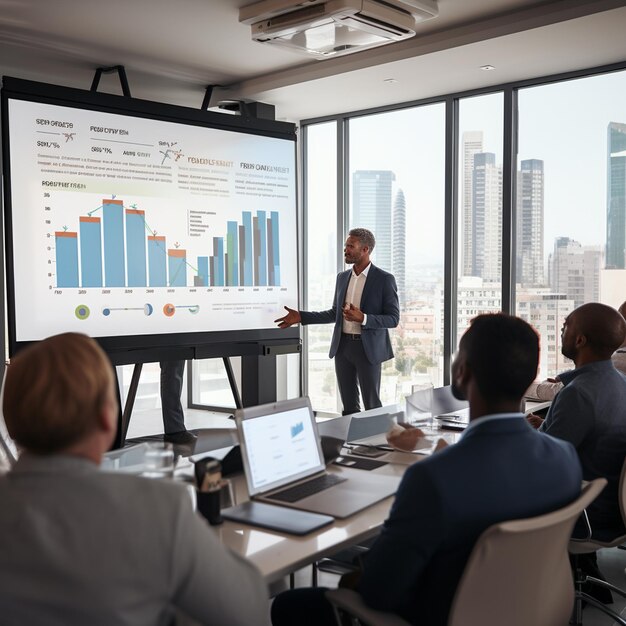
538 181
479 185
396 190
571 203
321 258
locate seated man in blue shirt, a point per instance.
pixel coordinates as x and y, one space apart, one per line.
501 469
590 410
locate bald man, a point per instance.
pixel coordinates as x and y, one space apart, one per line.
590 410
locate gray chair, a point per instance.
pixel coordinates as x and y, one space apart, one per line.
589 545
518 574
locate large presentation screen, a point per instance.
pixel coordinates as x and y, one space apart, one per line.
129 226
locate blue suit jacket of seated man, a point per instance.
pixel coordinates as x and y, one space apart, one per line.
501 469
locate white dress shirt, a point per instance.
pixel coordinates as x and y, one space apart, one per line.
353 296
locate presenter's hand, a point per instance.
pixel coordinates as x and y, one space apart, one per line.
352 314
534 420
292 317
404 437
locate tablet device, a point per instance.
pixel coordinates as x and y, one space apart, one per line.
292 521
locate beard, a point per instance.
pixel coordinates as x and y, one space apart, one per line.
568 351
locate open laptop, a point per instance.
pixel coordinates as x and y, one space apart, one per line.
283 463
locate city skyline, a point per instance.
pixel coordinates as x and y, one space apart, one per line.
562 188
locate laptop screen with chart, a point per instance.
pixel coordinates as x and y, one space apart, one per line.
281 447
284 465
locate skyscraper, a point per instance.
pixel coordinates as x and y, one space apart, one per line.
530 184
487 214
616 197
371 209
472 143
398 251
575 270
546 310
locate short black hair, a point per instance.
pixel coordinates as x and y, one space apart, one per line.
365 237
502 352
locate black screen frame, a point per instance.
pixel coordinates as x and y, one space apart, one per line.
140 348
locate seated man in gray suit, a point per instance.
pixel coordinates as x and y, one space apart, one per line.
589 411
501 469
80 546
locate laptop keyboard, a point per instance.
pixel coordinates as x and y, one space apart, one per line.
309 488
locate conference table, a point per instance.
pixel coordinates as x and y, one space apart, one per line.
278 554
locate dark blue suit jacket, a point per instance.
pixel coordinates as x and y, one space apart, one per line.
379 302
501 469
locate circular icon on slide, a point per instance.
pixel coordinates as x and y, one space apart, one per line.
169 310
82 311
148 309
106 311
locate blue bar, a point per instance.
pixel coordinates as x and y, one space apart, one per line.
91 251
218 259
177 266
136 247
114 262
262 251
203 269
67 259
248 279
156 261
232 269
276 253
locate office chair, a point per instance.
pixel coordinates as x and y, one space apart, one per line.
518 574
589 545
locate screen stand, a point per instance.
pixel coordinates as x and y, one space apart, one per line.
130 400
258 379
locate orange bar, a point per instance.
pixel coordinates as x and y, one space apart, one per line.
177 252
88 219
155 238
109 201
135 212
66 233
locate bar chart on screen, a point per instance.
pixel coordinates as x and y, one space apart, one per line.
115 245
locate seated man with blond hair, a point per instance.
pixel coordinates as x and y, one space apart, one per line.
80 546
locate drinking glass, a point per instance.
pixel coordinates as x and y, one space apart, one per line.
419 405
159 460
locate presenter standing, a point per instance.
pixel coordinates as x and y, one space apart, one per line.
364 306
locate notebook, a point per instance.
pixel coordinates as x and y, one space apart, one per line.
284 465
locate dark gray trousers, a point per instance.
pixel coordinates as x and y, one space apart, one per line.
171 388
353 370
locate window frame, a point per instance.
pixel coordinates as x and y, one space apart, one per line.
510 91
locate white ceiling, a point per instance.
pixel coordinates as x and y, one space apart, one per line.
172 49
